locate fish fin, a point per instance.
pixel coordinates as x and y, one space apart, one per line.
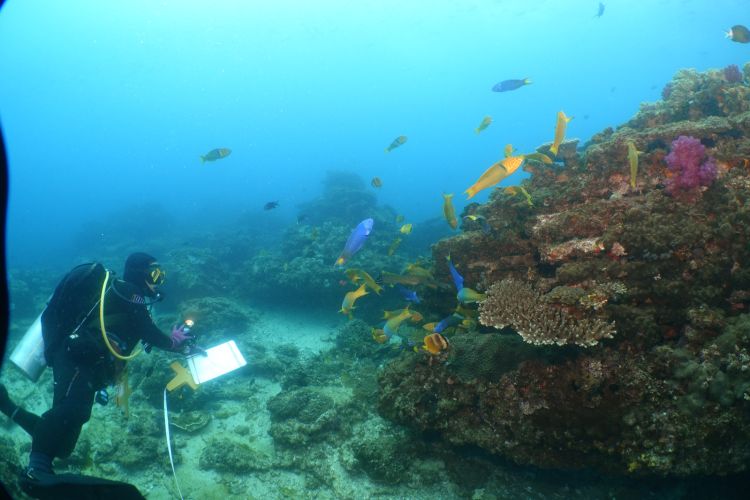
470 192
527 81
553 150
203 159
477 131
387 150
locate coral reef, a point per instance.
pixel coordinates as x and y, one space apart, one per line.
513 303
666 395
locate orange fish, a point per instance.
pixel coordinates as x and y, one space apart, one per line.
435 344
496 173
348 304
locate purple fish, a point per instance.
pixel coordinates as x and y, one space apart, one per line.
507 85
355 241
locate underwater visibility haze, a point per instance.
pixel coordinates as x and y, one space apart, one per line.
468 249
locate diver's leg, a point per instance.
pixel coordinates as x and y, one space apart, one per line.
25 419
58 429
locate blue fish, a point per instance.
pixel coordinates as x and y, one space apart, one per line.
600 12
355 242
452 320
458 280
409 295
507 85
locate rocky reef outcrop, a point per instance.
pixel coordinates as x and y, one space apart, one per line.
644 291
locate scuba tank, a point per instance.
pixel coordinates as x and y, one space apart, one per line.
29 353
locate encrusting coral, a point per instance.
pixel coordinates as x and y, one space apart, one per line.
513 303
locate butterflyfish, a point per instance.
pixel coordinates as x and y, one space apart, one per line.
397 142
738 33
449 211
355 242
562 124
405 229
350 298
216 154
435 344
376 182
484 124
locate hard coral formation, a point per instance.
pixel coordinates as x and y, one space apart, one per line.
668 393
513 303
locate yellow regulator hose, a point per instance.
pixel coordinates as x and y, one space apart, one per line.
104 331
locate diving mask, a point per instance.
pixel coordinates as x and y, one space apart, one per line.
156 275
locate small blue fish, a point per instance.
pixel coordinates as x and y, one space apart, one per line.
452 320
507 85
409 295
458 280
600 12
356 241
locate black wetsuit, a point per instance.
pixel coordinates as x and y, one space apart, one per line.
83 365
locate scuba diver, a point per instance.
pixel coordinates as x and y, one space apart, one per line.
88 351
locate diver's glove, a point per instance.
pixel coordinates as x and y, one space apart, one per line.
179 336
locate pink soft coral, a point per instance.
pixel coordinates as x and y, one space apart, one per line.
689 166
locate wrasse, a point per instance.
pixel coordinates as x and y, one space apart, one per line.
449 211
633 160
356 240
216 154
486 121
397 142
350 298
562 124
357 276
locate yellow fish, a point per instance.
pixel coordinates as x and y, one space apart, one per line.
633 159
348 304
406 229
435 344
379 336
416 317
398 141
539 157
496 173
393 323
467 296
562 124
508 150
449 211
358 275
430 326
415 270
394 246
404 279
485 123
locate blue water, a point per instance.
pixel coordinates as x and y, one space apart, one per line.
106 106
